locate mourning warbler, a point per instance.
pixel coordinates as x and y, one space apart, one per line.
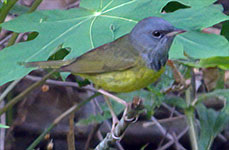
129 63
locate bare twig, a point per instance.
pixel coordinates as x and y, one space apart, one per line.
74 84
131 112
2 130
8 89
114 117
71 133
171 109
167 145
91 135
25 92
5 39
164 132
119 100
162 129
119 146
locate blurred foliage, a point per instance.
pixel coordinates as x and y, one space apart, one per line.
211 124
17 9
3 126
225 29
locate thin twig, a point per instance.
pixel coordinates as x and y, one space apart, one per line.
2 130
107 123
95 127
162 129
5 39
71 133
114 117
132 111
167 145
91 135
74 84
170 109
74 108
8 89
119 100
164 132
25 92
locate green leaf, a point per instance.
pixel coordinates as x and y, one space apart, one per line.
92 25
80 29
211 121
221 94
3 126
211 124
176 101
212 49
196 18
225 29
221 62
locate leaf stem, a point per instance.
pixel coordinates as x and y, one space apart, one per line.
191 120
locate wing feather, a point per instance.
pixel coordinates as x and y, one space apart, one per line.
117 55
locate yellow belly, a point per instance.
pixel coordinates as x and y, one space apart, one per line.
124 81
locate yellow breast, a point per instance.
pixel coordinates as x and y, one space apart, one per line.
124 81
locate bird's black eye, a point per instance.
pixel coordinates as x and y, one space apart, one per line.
156 34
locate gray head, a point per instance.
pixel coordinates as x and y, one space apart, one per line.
152 37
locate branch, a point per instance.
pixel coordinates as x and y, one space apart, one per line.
71 134
25 92
132 111
8 89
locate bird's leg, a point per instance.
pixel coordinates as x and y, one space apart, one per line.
114 117
119 100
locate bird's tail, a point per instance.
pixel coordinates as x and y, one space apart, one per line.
47 64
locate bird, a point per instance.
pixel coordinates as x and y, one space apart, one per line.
129 63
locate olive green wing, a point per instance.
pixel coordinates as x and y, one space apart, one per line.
117 55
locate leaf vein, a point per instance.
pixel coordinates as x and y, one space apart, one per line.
90 32
119 6
121 18
52 41
107 5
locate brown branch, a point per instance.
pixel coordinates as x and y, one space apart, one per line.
132 110
71 133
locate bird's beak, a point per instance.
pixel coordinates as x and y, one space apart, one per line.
175 32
